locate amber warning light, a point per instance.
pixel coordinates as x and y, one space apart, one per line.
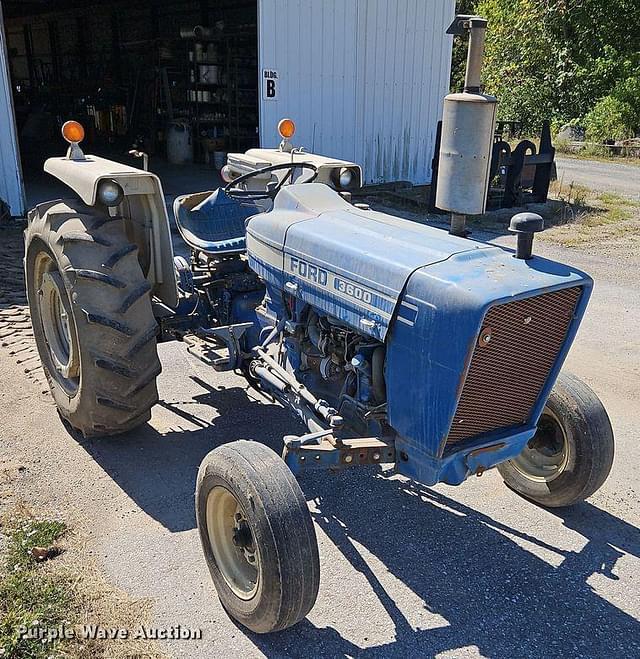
286 128
73 132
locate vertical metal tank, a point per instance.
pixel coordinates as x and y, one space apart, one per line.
468 126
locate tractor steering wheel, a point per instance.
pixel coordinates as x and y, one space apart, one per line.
232 190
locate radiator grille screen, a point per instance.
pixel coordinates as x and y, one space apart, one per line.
514 354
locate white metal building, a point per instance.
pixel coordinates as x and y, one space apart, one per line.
11 184
363 79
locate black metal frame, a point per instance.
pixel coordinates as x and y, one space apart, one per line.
523 155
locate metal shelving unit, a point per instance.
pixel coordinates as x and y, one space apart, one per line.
235 108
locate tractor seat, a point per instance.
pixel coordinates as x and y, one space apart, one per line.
213 222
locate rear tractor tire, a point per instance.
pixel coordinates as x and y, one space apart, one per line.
92 318
257 536
571 454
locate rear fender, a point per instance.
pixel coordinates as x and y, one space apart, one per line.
143 208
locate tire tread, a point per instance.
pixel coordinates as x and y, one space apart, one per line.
112 312
290 527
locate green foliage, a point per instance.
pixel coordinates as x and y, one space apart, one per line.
610 119
517 52
555 59
627 91
460 44
30 596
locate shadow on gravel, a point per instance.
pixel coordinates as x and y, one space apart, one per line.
493 593
158 470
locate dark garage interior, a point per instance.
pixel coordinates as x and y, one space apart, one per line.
176 79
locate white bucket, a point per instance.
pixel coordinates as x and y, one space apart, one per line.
179 143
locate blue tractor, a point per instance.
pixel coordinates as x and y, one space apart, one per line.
394 342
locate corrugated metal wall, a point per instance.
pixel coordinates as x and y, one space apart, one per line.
11 187
363 79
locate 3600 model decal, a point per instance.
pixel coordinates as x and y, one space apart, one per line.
340 286
353 290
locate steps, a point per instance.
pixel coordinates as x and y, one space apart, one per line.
210 352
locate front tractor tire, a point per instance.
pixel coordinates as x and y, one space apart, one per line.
257 536
92 318
571 454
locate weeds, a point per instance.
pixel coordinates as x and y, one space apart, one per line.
586 150
572 201
30 596
586 218
597 151
45 604
615 199
563 146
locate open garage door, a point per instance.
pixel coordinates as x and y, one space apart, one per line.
176 78
11 187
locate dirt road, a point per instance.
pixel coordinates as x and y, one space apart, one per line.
406 570
611 176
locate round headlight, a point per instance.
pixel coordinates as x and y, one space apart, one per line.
226 174
110 193
345 178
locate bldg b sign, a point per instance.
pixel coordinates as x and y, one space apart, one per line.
269 85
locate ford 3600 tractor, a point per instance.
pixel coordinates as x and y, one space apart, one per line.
395 342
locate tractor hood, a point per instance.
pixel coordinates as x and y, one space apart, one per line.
429 296
352 263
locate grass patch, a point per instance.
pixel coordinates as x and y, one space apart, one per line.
29 534
579 217
30 595
598 152
583 150
615 199
610 198
63 592
610 216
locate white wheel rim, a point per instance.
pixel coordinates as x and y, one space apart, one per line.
232 542
547 454
52 302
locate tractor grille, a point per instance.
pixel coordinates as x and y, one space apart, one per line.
509 370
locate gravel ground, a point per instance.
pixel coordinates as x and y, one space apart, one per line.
613 176
406 570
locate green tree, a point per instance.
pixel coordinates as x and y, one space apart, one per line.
610 119
460 44
519 50
555 59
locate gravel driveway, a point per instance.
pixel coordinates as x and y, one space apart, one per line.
407 570
602 176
